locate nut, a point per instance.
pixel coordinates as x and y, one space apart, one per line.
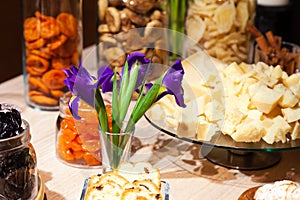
113 19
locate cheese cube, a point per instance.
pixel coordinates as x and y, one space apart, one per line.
292 80
291 114
265 99
277 131
248 131
296 131
276 73
288 99
205 130
233 72
296 90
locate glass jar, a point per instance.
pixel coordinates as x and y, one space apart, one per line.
131 26
18 167
52 42
220 28
77 141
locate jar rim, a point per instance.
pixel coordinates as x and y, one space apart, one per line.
17 141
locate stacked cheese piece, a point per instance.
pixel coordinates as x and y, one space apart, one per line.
247 102
127 182
262 102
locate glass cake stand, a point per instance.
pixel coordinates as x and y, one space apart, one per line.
224 151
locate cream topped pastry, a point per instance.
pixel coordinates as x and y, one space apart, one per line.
280 190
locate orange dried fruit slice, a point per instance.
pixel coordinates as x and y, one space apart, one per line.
44 100
57 42
38 63
68 24
42 52
61 63
31 32
36 44
90 159
57 93
36 83
49 29
67 49
54 79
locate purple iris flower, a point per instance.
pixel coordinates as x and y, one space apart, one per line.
82 85
172 82
105 75
137 56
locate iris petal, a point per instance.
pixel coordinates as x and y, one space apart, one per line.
73 105
173 83
105 75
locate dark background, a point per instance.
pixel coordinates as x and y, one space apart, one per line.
287 24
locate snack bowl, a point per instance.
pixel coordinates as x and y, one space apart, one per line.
165 189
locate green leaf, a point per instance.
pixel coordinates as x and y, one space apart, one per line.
101 110
124 84
115 106
129 91
145 103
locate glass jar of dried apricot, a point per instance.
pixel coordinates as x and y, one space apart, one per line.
77 141
52 41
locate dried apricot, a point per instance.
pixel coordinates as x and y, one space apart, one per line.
37 84
49 29
57 42
61 63
57 93
42 52
67 49
78 154
90 159
54 79
36 44
44 100
31 31
68 24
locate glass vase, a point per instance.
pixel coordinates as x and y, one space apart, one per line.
115 148
52 42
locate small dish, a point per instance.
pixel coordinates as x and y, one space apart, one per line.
165 189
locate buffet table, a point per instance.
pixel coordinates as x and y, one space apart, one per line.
188 178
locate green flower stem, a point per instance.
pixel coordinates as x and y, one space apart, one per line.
115 108
177 24
141 107
101 110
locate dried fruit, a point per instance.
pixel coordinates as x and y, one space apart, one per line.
10 122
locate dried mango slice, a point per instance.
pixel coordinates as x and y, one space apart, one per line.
224 17
68 24
195 21
242 15
54 79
